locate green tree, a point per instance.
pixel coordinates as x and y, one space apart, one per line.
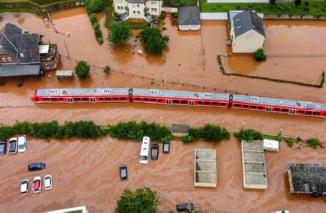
153 40
314 143
94 6
143 200
82 69
259 55
119 33
248 135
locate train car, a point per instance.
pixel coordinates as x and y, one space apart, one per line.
172 97
81 95
291 107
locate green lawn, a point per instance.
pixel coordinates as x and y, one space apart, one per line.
308 7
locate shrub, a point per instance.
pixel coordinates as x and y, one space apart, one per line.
248 135
94 6
188 139
136 131
153 40
289 141
82 69
297 2
314 143
143 200
119 33
93 18
272 2
97 30
259 55
6 132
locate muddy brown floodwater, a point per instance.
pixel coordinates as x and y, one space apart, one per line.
86 172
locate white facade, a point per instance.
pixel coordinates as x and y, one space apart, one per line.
137 9
189 27
248 42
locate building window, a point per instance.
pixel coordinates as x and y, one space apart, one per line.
137 5
138 13
153 2
134 12
154 9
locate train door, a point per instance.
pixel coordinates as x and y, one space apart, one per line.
268 109
92 99
168 101
191 103
70 100
292 111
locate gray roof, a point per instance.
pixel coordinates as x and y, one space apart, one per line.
22 46
19 70
247 20
188 15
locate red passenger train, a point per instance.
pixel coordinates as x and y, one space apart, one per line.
173 97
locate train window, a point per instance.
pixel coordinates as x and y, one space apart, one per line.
145 99
200 102
207 103
316 113
77 99
184 102
215 103
175 101
123 98
300 112
245 106
237 105
137 99
308 113
276 109
107 99
115 98
152 100
260 107
46 99
84 99
159 100
253 107
285 110
223 104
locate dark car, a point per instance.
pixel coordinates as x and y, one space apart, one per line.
182 207
3 147
166 147
36 166
154 151
13 146
123 169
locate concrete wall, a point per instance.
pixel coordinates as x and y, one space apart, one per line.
189 27
213 16
170 9
248 42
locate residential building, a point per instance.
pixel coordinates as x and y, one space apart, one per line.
137 9
22 54
247 31
189 18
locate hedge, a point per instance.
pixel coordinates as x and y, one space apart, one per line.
208 133
248 135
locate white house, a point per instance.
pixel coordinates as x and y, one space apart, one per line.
247 31
189 18
137 9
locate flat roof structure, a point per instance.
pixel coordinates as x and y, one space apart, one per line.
81 209
205 168
307 178
253 165
179 130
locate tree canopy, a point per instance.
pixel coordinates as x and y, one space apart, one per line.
154 42
94 6
119 33
142 200
82 69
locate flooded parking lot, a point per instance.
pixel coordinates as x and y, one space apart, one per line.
190 64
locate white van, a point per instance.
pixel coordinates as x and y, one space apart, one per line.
144 151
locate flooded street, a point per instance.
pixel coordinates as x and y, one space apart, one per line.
86 172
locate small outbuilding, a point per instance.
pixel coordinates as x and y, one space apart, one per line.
189 18
179 130
205 168
247 32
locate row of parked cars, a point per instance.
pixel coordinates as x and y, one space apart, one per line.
154 150
36 184
14 145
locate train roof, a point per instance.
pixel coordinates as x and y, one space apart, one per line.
180 94
82 91
279 102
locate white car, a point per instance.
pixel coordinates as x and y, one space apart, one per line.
24 186
22 143
47 182
36 185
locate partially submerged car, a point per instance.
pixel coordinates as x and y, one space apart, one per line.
47 182
13 145
123 170
36 166
24 186
37 184
166 147
182 207
154 151
22 143
3 147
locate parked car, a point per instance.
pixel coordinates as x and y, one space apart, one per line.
154 151
13 145
3 147
166 147
24 186
182 207
22 143
47 182
36 166
123 169
37 184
